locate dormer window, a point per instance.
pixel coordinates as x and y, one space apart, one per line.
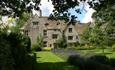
35 23
70 30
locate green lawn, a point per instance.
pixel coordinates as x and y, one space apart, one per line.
108 52
49 61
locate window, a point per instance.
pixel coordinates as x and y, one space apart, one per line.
70 37
45 30
54 36
45 33
76 37
70 29
45 43
35 23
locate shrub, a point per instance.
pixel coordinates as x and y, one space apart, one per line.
113 47
35 47
99 58
62 43
95 62
85 47
12 51
47 49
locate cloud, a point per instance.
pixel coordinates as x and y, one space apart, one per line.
46 7
88 15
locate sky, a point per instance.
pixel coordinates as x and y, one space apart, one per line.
85 17
47 9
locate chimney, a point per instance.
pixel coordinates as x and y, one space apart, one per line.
40 12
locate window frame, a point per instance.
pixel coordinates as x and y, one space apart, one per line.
70 30
54 36
70 37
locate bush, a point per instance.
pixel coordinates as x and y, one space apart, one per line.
96 62
62 43
13 51
113 47
99 58
35 47
85 47
47 49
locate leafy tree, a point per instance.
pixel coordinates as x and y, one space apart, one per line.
20 21
17 7
62 43
40 41
96 36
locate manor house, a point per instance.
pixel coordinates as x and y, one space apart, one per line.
52 30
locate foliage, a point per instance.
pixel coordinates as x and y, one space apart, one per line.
113 47
62 43
99 58
35 47
39 44
97 62
12 51
40 41
21 21
47 49
86 47
17 7
96 36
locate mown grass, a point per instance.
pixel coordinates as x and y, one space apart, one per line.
48 57
108 52
49 61
85 52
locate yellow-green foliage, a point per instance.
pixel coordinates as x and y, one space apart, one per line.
113 47
46 49
86 46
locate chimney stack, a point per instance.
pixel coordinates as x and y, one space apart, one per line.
40 12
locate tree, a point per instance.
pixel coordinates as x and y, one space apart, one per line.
96 36
62 43
17 7
40 41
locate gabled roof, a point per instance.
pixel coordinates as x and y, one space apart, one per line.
79 27
55 24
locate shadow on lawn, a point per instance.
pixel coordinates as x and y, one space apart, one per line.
55 66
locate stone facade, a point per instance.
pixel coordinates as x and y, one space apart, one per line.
52 30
